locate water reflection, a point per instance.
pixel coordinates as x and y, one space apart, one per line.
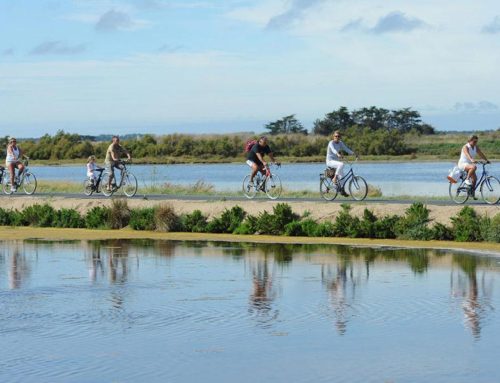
262 294
19 269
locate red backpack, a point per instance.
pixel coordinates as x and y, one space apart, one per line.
249 145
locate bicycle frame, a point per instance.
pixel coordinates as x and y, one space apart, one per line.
484 175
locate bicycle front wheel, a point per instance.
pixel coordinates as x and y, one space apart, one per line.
29 183
129 185
249 189
358 188
490 190
459 192
105 184
327 189
273 186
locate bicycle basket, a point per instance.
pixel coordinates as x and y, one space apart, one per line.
330 172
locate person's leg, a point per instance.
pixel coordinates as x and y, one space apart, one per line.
20 166
12 171
111 170
255 169
337 165
471 175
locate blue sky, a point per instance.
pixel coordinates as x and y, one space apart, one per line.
203 66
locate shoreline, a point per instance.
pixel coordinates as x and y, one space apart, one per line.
8 233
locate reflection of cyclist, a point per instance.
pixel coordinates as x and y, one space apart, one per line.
255 157
112 161
12 161
334 156
467 161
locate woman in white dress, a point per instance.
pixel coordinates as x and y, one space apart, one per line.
467 160
12 161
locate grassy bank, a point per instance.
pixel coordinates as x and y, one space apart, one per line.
56 234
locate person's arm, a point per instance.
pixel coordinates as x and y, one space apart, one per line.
261 159
9 150
333 151
482 155
271 156
347 149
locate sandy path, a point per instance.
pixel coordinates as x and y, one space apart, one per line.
318 210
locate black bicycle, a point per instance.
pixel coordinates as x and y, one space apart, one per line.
354 184
489 186
91 185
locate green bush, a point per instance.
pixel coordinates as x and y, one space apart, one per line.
69 218
195 222
248 226
142 219
166 219
346 225
466 225
325 229
98 218
9 217
414 225
385 228
39 215
441 232
367 225
310 227
490 229
228 221
294 229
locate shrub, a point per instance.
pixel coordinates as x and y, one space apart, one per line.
367 225
39 215
309 227
9 217
195 222
466 225
98 218
294 229
490 229
119 215
228 221
142 219
414 225
248 226
69 218
441 232
346 225
166 219
385 228
283 214
325 229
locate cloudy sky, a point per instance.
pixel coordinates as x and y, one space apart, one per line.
103 66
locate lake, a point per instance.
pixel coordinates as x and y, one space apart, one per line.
164 311
393 178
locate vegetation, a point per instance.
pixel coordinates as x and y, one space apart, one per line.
467 225
369 131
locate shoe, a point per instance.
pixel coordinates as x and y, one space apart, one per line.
13 189
474 197
342 192
467 182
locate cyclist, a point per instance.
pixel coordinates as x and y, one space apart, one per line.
334 157
255 157
467 162
113 159
12 161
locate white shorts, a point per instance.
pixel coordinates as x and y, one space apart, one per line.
250 163
462 165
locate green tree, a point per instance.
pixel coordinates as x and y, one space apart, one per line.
288 124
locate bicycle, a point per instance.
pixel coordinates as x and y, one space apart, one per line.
270 183
27 181
489 187
128 182
91 185
2 173
357 187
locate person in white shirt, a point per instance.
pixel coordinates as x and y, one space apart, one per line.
12 161
91 168
467 160
334 156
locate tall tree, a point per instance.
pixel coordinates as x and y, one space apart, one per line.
339 119
288 124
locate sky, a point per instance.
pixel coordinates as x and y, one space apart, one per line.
216 66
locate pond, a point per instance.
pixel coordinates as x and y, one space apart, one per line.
164 311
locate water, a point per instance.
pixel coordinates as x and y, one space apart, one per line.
394 178
128 311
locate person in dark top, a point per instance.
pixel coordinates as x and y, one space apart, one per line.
255 157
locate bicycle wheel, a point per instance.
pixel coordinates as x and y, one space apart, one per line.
104 185
327 188
490 190
29 183
6 186
358 188
249 190
87 187
129 185
459 192
273 186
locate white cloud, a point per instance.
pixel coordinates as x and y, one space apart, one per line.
57 48
115 20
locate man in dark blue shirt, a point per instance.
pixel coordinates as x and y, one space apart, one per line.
255 157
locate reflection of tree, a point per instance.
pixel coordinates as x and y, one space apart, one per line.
475 295
19 269
341 285
262 294
117 262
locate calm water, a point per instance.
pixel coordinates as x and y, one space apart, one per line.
405 178
123 311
